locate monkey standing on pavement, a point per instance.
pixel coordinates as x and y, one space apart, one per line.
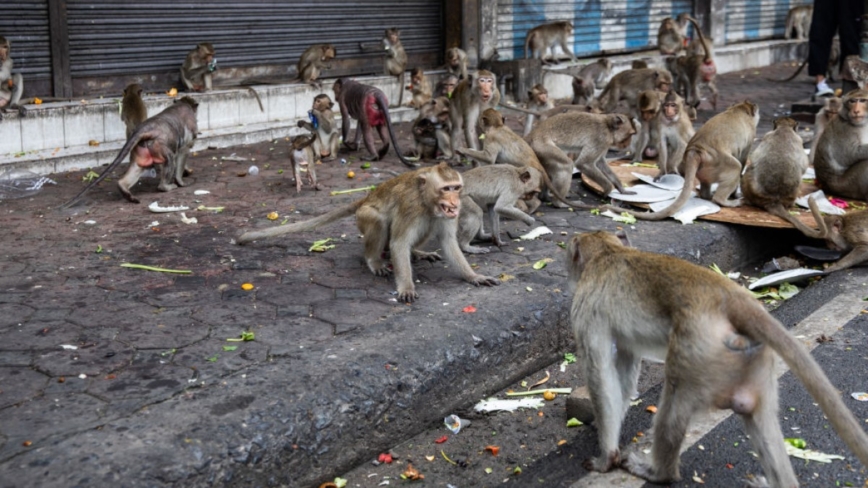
399 215
717 342
545 37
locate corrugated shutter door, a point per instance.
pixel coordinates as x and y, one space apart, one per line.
598 25
25 25
124 38
750 20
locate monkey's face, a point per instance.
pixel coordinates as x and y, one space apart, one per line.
4 52
448 201
649 114
671 110
322 103
542 98
857 108
449 86
328 53
485 85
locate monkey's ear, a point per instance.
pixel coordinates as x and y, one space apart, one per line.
421 180
616 122
524 177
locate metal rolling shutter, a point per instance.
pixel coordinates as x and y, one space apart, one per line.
27 29
598 25
108 37
750 20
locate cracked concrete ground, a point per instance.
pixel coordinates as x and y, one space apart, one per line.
111 375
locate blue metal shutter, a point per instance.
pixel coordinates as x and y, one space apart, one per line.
750 20
599 26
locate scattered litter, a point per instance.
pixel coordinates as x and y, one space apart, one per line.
574 422
82 376
412 473
542 381
669 182
201 192
320 246
247 286
643 194
429 458
549 395
624 218
791 276
272 216
651 409
818 253
70 347
20 184
469 309
210 209
823 203
352 190
494 450
783 263
253 170
810 455
243 337
454 423
188 220
385 458
90 222
539 231
153 224
156 208
495 404
694 208
440 440
796 442
542 263
233 157
860 395
153 268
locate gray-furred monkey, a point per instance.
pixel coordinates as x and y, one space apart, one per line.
11 84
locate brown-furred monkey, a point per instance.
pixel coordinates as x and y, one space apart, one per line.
11 84
471 97
198 66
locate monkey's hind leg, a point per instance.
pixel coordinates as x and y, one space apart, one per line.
384 136
858 255
130 178
604 385
373 226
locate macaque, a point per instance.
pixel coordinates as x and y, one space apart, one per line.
841 160
774 172
846 233
303 158
672 34
638 64
456 62
647 138
538 101
799 22
368 105
627 85
691 71
312 61
432 129
495 189
586 134
396 58
583 90
858 69
597 71
11 84
715 154
674 128
420 87
545 37
446 86
471 97
133 109
165 138
502 145
714 343
322 121
399 215
831 107
198 66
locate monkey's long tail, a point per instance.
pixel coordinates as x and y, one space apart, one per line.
705 47
692 158
801 67
384 106
778 210
306 225
131 142
752 320
557 194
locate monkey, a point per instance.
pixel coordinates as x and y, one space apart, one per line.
502 145
471 97
456 62
597 71
545 37
368 105
689 71
715 154
396 58
858 69
672 34
446 86
538 101
831 107
846 233
638 64
399 215
322 121
495 189
714 345
647 137
11 84
774 172
562 109
165 138
583 90
312 61
799 22
301 154
420 87
432 130
586 134
627 85
674 128
133 109
198 66
841 160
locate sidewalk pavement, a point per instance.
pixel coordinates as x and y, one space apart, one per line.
119 376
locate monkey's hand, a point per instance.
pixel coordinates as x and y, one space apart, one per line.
407 296
426 256
483 280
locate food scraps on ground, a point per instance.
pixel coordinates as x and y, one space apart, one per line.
651 409
247 286
352 190
549 395
574 422
156 208
564 391
495 404
320 245
494 450
243 337
412 473
540 382
469 309
441 439
385 458
153 268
